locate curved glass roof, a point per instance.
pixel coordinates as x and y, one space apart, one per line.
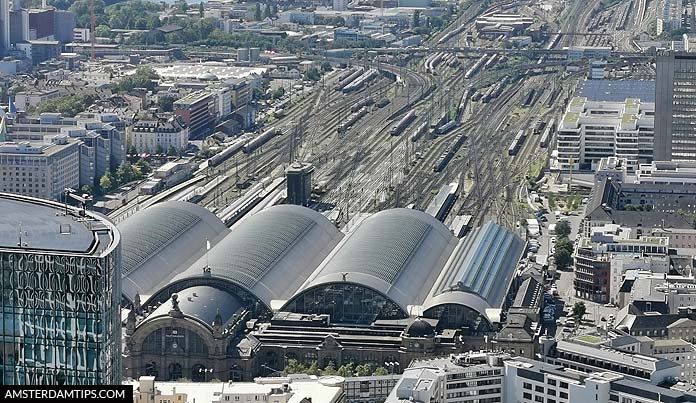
398 252
161 241
271 253
202 303
480 271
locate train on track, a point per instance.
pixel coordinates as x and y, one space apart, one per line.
449 153
443 201
352 119
403 123
517 143
232 149
548 133
260 140
344 82
420 131
367 101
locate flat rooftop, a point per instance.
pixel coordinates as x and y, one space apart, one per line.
45 227
616 91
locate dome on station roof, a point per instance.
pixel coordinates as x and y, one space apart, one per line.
419 328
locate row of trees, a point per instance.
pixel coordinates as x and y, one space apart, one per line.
144 77
125 173
347 370
69 106
564 247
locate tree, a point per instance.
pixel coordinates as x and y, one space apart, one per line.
312 74
144 77
159 150
267 11
416 18
562 257
275 9
171 151
201 10
132 150
313 369
293 367
143 166
86 189
578 312
278 93
329 369
346 370
363 370
326 66
102 31
106 182
381 371
563 228
165 103
257 12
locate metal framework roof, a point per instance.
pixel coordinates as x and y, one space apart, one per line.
397 252
480 271
271 253
202 303
162 241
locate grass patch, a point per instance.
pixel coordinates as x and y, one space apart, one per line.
589 339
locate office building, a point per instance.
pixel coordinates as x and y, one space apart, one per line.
196 112
591 130
587 357
60 295
40 169
674 114
602 259
643 208
339 5
158 133
102 136
299 180
5 25
670 16
474 376
528 381
493 377
287 389
667 172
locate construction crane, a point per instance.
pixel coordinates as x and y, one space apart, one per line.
91 33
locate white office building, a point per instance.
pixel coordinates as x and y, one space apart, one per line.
41 170
591 130
290 389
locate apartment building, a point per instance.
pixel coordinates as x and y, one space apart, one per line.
157 133
591 130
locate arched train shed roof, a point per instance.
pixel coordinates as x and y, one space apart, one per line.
162 241
480 271
270 254
397 252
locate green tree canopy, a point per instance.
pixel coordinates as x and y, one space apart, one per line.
562 228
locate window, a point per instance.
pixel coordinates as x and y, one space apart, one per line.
527 386
539 389
564 385
563 395
539 399
527 396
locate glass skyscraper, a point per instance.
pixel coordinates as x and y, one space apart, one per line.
60 284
